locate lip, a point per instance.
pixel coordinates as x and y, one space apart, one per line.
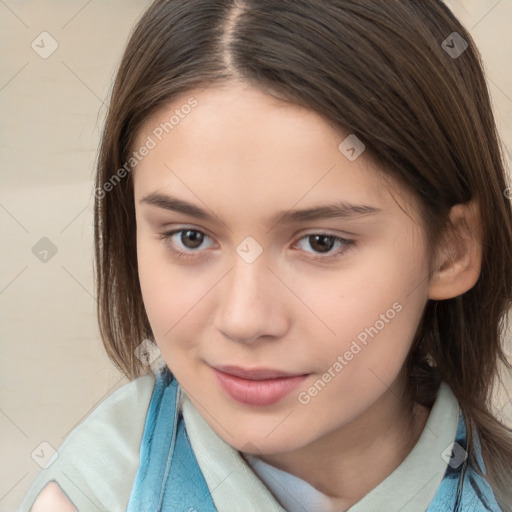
255 373
260 386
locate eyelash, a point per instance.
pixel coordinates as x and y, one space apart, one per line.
348 244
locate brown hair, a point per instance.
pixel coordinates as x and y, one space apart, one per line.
379 70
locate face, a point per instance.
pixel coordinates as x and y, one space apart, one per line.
233 275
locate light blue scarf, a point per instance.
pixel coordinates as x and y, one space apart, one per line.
169 478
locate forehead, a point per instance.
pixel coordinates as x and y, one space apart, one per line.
242 110
238 138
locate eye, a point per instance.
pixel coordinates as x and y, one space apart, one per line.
323 243
185 244
189 241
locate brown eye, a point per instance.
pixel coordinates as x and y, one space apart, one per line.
191 238
321 243
188 244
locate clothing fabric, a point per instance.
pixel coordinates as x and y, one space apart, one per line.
460 488
147 442
410 488
169 477
98 460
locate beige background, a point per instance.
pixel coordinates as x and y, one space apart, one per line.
52 365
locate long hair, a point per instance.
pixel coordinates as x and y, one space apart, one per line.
406 78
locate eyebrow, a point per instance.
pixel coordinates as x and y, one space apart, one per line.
340 209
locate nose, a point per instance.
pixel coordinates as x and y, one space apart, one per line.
250 303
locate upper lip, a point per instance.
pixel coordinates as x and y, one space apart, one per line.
255 373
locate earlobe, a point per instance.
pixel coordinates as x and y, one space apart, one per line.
459 259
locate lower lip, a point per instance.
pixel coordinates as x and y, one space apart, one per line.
258 392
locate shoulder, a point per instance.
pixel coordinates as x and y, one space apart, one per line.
52 499
96 464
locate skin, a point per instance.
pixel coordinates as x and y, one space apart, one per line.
52 499
243 155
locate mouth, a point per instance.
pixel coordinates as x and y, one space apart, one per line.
257 387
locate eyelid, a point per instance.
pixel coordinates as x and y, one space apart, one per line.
324 231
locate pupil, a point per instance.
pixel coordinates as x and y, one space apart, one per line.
322 246
197 239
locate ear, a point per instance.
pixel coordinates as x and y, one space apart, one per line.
459 258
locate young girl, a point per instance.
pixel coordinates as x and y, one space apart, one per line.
302 206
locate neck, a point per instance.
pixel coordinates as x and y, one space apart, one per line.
348 463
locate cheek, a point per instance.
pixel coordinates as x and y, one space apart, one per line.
369 289
372 311
166 306
161 290
360 364
173 294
